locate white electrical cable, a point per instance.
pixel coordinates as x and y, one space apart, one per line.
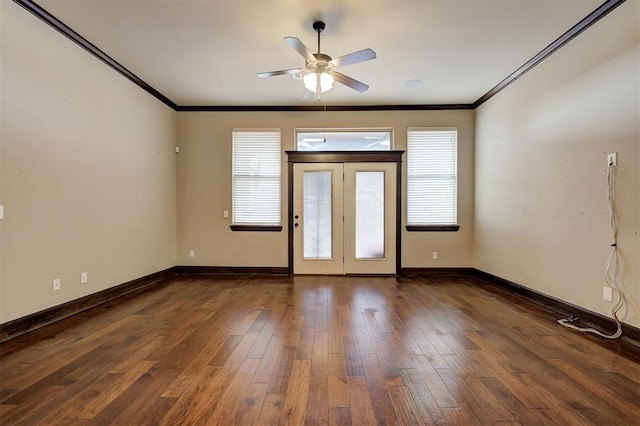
612 270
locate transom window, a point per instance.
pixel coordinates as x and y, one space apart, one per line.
344 140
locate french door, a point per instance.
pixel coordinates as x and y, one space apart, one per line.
344 218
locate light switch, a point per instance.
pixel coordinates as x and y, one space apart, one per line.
225 214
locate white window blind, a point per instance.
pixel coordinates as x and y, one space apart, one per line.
431 176
256 177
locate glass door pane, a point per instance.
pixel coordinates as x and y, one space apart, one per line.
370 220
317 214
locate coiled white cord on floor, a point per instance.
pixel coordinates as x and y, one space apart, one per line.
612 270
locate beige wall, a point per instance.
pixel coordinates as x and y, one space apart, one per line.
204 185
90 182
87 171
541 216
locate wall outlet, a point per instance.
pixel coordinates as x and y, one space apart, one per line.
56 284
84 277
192 253
434 255
612 159
607 294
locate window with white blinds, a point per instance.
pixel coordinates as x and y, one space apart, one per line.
431 176
256 177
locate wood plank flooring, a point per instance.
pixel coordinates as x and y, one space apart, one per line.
316 351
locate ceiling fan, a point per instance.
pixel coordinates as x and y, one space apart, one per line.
319 72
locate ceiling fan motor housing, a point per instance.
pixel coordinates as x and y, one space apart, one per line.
321 64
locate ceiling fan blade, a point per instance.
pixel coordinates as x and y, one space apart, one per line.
351 82
300 48
308 94
354 58
279 72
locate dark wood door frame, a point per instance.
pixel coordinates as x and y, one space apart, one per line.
294 157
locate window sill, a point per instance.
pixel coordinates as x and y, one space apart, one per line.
433 228
256 228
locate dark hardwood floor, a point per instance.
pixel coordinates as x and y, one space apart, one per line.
316 350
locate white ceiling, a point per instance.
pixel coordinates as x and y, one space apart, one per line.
208 52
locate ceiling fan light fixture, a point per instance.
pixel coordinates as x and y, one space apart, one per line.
311 82
326 82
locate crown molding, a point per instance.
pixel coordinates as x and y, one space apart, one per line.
65 30
565 38
573 32
313 108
